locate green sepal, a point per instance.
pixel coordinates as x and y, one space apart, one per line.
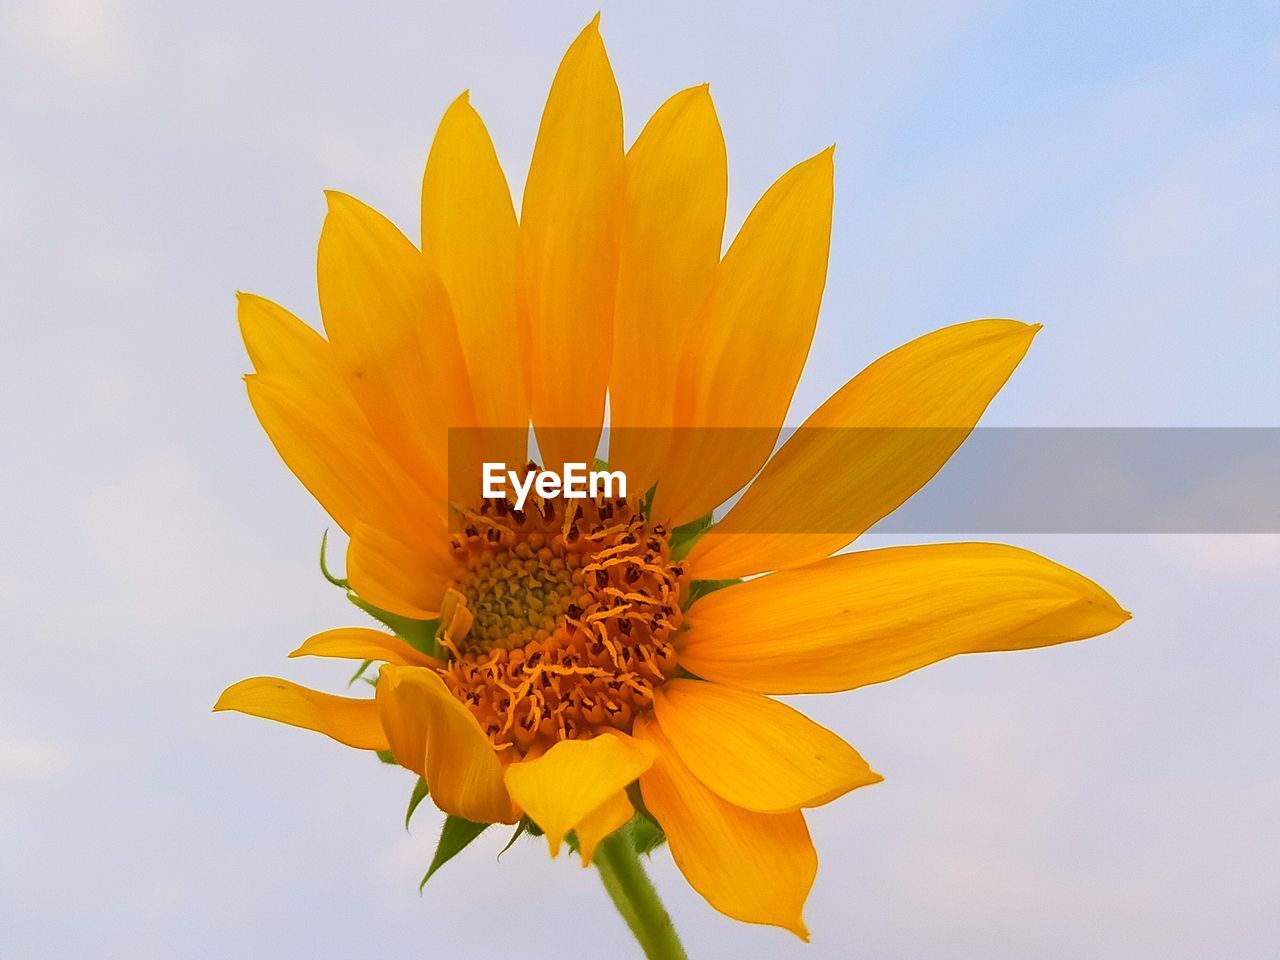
643 832
324 567
644 829
456 834
419 634
386 756
359 672
419 794
646 502
686 535
646 835
521 829
700 588
637 801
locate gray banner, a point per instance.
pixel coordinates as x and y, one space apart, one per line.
1017 480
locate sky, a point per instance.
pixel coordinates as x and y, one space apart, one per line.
1106 169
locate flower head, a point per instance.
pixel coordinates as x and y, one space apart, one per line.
573 664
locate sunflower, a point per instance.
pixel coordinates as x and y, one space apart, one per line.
586 668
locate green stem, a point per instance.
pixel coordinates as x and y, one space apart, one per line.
633 894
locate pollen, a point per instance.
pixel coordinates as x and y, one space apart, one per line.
561 626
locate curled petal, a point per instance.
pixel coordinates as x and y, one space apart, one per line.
347 720
362 643
611 815
436 736
574 779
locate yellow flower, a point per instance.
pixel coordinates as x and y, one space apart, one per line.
578 651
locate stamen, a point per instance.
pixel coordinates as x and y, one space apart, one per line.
561 625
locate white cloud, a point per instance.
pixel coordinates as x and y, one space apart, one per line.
30 760
89 38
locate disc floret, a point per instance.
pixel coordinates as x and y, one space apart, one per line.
561 625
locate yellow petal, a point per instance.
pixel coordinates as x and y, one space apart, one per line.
456 617
757 753
878 440
861 618
349 721
361 643
404 711
285 349
393 336
469 236
339 462
750 342
611 815
672 229
568 250
437 737
755 867
307 399
574 778
396 577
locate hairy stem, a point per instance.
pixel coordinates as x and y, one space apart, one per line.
633 894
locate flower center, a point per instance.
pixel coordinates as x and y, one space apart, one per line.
562 624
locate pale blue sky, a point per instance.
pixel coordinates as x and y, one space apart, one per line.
1108 170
